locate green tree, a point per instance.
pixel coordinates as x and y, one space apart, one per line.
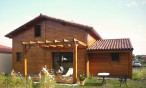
134 57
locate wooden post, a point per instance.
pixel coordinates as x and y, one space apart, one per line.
130 65
75 63
87 65
25 61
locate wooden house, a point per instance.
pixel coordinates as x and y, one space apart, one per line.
55 42
5 59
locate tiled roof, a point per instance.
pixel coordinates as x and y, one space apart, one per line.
45 17
111 44
5 49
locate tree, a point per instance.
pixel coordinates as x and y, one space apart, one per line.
133 56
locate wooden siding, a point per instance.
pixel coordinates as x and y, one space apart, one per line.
59 31
38 57
90 40
102 62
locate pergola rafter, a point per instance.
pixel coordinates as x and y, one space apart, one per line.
54 43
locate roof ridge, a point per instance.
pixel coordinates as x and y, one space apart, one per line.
41 17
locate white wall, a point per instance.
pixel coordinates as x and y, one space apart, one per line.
5 63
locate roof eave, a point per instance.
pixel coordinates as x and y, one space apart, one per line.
42 17
111 50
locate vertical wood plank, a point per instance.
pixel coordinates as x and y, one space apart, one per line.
74 62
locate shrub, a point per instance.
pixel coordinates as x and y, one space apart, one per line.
82 77
29 83
46 79
2 78
139 74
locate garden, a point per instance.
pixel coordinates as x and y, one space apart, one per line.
48 81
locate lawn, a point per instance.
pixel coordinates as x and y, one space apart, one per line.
111 83
138 81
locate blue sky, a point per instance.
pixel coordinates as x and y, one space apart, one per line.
110 18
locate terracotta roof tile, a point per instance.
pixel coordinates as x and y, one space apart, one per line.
5 49
112 44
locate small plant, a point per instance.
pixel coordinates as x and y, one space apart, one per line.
29 82
46 80
82 77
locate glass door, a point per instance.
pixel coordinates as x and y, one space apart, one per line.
63 60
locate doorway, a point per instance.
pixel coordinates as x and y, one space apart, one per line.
62 59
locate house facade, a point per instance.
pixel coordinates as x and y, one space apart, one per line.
54 42
5 59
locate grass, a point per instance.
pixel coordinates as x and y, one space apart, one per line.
139 81
111 83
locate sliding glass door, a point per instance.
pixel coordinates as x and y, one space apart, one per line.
62 59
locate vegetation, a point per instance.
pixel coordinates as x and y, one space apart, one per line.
15 82
139 81
48 81
82 77
139 74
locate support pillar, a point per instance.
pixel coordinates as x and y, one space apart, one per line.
87 65
25 61
75 63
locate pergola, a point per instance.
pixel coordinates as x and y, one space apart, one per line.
74 44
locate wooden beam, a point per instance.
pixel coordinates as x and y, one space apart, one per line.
79 42
75 40
25 61
65 40
87 65
82 43
45 46
52 45
56 41
32 42
25 43
59 45
69 45
40 42
75 63
47 41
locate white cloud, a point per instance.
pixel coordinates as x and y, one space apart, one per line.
132 4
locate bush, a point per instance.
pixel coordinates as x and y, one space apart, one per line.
2 78
139 74
46 80
15 82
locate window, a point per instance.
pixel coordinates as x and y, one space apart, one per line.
115 56
37 30
19 56
62 59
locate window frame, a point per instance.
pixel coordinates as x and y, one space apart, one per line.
18 56
115 56
37 31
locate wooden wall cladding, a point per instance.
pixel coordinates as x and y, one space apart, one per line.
38 57
102 62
